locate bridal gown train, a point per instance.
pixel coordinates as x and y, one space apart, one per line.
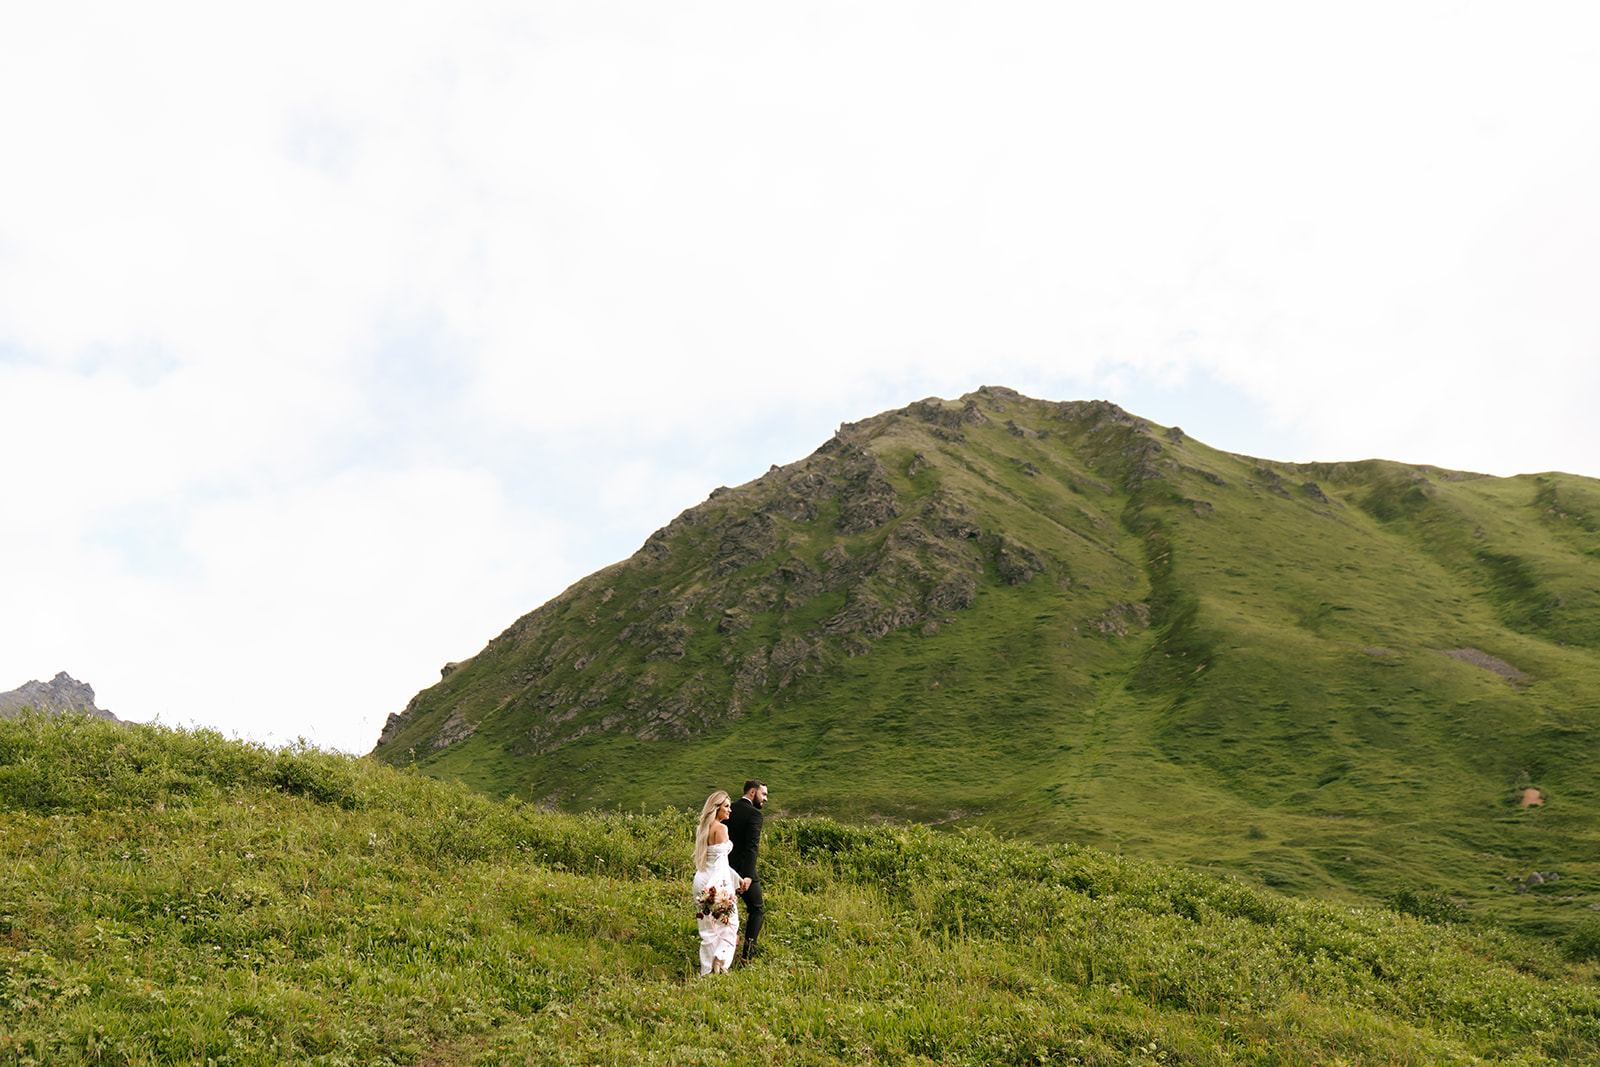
717 940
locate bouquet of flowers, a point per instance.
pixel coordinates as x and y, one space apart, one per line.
715 903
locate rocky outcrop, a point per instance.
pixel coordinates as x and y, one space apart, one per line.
455 729
1017 563
1120 619
63 694
744 540
1097 411
1516 678
868 500
954 594
1211 476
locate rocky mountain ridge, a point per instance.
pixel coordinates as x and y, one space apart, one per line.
63 694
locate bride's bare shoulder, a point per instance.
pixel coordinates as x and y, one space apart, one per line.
719 833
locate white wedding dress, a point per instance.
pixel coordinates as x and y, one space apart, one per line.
717 940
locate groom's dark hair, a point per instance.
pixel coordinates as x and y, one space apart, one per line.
752 784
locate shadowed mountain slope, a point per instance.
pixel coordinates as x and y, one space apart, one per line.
1060 621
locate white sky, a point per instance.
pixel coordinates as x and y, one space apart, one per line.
334 337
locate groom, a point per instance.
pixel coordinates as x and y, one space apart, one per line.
744 830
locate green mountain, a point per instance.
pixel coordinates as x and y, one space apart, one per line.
1061 622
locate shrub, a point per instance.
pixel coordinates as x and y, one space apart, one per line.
1584 943
1427 905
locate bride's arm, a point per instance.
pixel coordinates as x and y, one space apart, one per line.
719 833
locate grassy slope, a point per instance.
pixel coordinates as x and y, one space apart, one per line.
1364 767
1286 714
169 897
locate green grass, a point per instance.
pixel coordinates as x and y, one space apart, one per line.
173 897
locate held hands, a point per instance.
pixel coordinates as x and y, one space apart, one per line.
744 883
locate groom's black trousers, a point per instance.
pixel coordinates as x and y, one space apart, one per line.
754 914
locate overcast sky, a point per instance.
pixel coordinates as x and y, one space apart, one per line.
334 337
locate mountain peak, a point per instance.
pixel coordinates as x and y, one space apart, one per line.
63 693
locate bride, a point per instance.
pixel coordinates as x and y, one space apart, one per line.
718 935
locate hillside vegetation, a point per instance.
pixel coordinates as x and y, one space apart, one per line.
172 897
1057 621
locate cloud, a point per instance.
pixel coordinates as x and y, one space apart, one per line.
311 611
332 339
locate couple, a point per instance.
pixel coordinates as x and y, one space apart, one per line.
725 865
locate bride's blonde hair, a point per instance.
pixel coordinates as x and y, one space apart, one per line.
708 818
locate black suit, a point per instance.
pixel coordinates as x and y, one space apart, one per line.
744 830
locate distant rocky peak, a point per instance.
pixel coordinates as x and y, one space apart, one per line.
63 693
